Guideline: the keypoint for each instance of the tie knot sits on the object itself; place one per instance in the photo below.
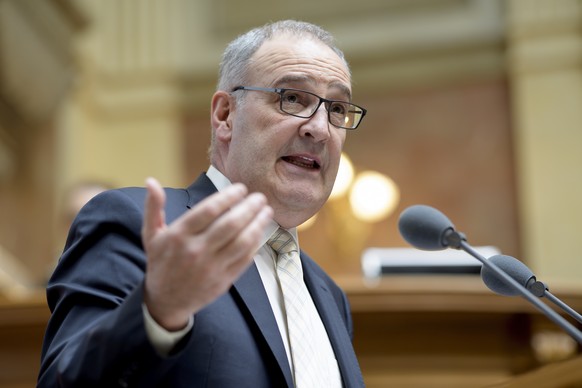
(282, 242)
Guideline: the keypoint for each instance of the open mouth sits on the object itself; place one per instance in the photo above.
(302, 162)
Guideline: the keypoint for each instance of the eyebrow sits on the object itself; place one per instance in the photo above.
(291, 79)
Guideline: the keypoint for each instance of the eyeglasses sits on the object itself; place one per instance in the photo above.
(300, 103)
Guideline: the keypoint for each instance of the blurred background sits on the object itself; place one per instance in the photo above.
(474, 107)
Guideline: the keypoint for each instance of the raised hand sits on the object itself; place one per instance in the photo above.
(194, 260)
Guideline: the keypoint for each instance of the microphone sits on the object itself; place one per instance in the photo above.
(524, 276)
(426, 228)
(514, 268)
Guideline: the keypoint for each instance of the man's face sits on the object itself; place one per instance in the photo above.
(292, 160)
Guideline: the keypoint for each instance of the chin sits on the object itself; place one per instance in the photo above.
(293, 216)
(302, 214)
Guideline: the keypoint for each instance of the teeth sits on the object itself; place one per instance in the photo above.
(302, 162)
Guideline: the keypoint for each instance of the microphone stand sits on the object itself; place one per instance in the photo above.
(456, 240)
(540, 289)
(563, 306)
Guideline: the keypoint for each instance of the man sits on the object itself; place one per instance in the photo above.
(186, 290)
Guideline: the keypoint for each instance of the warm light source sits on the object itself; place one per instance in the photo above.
(373, 196)
(344, 178)
(357, 201)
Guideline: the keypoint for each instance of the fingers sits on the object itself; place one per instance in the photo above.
(246, 243)
(229, 219)
(154, 214)
(200, 217)
(240, 222)
(229, 224)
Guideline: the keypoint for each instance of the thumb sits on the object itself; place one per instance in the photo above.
(154, 214)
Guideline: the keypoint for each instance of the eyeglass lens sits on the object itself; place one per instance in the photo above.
(304, 104)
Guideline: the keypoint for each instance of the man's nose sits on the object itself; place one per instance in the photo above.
(317, 126)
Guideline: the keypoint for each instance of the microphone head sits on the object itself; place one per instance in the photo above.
(511, 266)
(424, 227)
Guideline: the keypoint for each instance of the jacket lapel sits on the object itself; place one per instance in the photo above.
(200, 189)
(335, 325)
(250, 289)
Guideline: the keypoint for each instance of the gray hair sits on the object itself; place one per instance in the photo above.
(236, 59)
(235, 64)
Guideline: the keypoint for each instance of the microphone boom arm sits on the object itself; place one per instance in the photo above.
(563, 306)
(551, 314)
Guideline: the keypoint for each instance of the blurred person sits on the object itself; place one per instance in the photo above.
(77, 196)
(73, 200)
(206, 286)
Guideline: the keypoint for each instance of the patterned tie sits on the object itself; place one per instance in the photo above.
(313, 360)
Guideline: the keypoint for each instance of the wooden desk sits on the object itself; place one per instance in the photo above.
(565, 374)
(410, 331)
(22, 324)
(443, 331)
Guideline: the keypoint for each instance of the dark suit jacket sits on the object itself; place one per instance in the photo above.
(96, 334)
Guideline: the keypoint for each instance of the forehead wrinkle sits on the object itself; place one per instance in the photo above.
(308, 57)
(303, 69)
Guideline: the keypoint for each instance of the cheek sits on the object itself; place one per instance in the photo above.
(341, 135)
(335, 148)
(248, 148)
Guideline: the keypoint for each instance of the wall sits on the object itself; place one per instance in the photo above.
(458, 115)
(545, 63)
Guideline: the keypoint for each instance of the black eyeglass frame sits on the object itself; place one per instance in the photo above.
(322, 100)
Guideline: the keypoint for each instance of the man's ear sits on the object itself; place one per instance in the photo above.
(221, 111)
